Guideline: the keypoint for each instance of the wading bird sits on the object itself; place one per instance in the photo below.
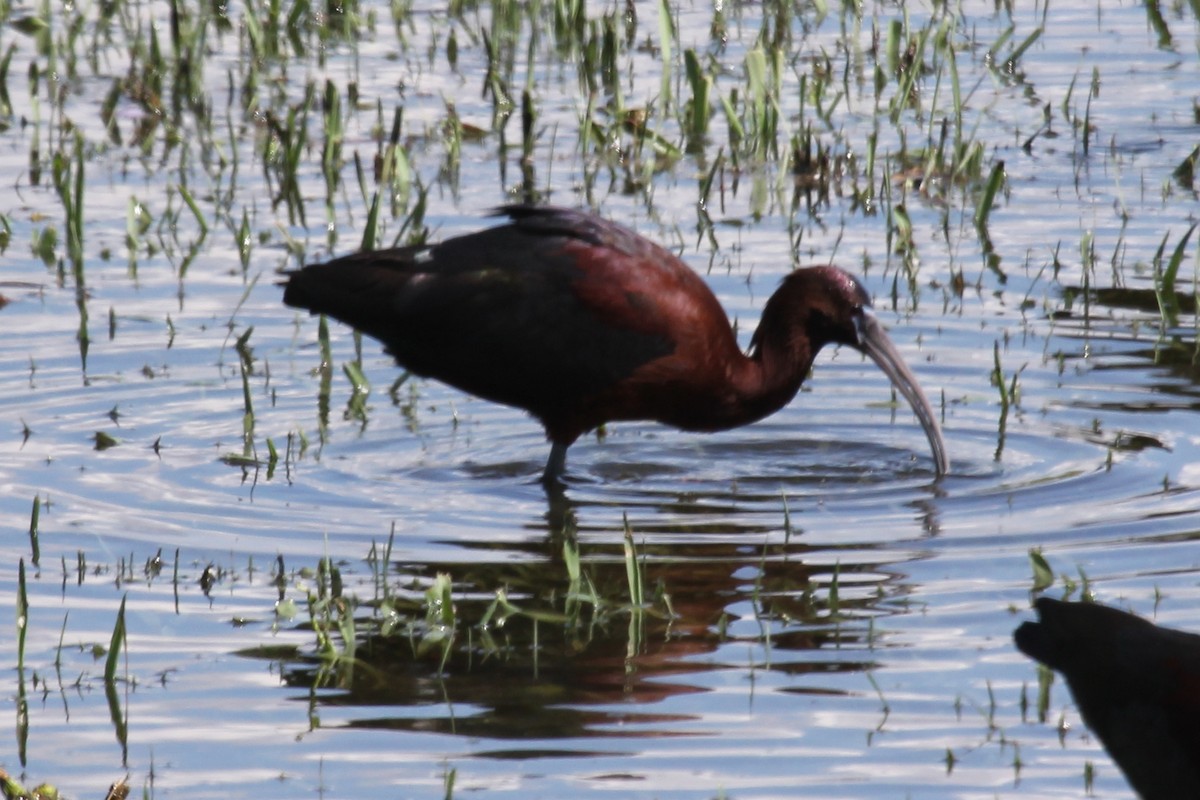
(580, 321)
(1137, 686)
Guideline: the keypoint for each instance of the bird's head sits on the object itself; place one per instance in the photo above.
(817, 306)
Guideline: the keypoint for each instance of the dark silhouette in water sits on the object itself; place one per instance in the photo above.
(1137, 686)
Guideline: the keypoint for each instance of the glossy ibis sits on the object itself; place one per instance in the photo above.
(1137, 686)
(580, 321)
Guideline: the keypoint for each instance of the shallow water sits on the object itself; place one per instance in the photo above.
(839, 621)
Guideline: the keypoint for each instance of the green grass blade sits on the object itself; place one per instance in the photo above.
(1043, 575)
(371, 229)
(1165, 278)
(633, 573)
(33, 529)
(666, 34)
(22, 615)
(990, 190)
(114, 646)
(195, 209)
(1172, 270)
(1019, 51)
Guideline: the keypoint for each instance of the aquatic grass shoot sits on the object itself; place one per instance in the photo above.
(987, 198)
(441, 619)
(1043, 575)
(331, 153)
(246, 366)
(1185, 172)
(22, 615)
(6, 107)
(116, 647)
(699, 108)
(633, 569)
(634, 575)
(103, 441)
(1087, 269)
(983, 210)
(282, 158)
(763, 75)
(244, 240)
(1086, 127)
(1009, 396)
(325, 373)
(666, 36)
(1165, 278)
(834, 597)
(1005, 65)
(68, 176)
(33, 530)
(395, 170)
(197, 214)
(905, 61)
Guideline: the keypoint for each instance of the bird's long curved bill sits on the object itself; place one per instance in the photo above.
(874, 341)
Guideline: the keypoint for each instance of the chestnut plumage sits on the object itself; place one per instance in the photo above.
(580, 321)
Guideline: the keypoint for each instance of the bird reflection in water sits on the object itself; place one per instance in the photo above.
(608, 673)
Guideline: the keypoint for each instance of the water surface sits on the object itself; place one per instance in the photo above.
(839, 621)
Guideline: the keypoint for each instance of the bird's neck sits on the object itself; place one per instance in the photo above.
(769, 377)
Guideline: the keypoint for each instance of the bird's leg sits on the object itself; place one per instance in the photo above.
(555, 465)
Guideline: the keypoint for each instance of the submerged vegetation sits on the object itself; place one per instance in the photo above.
(168, 159)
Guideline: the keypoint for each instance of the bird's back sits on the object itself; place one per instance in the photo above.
(543, 312)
